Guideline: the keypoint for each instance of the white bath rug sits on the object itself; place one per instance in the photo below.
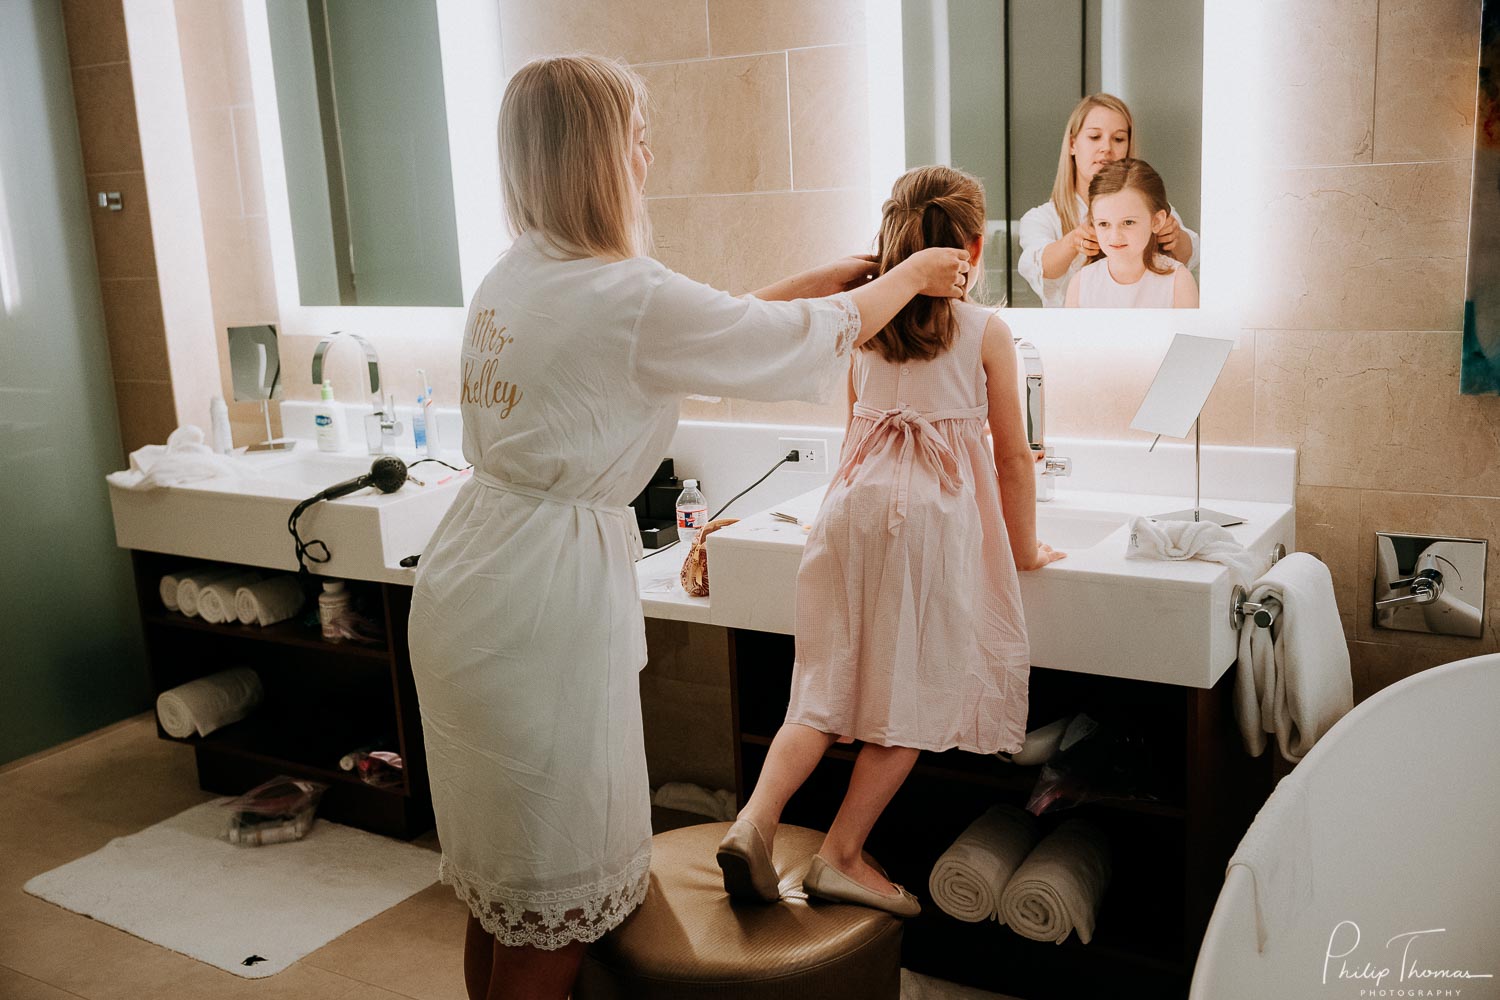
(251, 911)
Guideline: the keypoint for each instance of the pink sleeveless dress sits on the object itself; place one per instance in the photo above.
(909, 623)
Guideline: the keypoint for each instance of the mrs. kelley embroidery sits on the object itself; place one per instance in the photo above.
(482, 381)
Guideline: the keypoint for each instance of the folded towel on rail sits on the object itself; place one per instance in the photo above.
(971, 874)
(209, 703)
(1057, 889)
(190, 585)
(217, 600)
(1277, 852)
(1178, 540)
(183, 459)
(1293, 679)
(266, 602)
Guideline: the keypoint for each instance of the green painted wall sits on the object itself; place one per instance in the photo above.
(71, 653)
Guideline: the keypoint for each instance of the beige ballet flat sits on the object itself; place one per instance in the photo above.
(827, 882)
(746, 864)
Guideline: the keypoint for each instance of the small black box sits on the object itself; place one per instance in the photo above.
(655, 534)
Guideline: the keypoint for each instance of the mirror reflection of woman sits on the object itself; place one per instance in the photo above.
(1056, 237)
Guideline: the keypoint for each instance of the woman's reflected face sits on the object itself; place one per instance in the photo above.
(1104, 137)
(640, 153)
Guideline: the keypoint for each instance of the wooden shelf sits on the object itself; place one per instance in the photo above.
(288, 633)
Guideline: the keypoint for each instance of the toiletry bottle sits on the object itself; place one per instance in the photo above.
(692, 511)
(419, 425)
(326, 417)
(218, 414)
(429, 416)
(332, 602)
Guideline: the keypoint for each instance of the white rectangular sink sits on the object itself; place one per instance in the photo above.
(1095, 612)
(243, 518)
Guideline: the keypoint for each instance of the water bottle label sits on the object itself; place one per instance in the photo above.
(691, 518)
(323, 420)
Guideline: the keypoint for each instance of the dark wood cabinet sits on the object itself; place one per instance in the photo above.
(1169, 851)
(322, 700)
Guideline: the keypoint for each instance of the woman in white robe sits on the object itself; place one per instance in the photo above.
(526, 629)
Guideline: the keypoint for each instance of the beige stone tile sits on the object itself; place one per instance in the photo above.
(105, 98)
(1425, 514)
(750, 411)
(133, 322)
(415, 948)
(688, 731)
(123, 246)
(1426, 77)
(1365, 248)
(830, 137)
(1377, 665)
(205, 71)
(646, 32)
(718, 126)
(215, 163)
(746, 242)
(237, 54)
(96, 31)
(238, 273)
(770, 25)
(1229, 414)
(1328, 525)
(247, 153)
(1096, 381)
(1376, 410)
(704, 409)
(15, 986)
(147, 413)
(1320, 66)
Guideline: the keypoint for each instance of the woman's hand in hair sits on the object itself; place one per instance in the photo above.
(1084, 240)
(1170, 241)
(848, 273)
(843, 275)
(942, 272)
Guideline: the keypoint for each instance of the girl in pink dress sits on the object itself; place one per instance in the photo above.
(910, 633)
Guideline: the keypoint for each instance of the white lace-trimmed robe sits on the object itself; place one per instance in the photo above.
(526, 630)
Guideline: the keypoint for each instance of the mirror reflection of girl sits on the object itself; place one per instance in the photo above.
(1056, 237)
(1128, 209)
(910, 633)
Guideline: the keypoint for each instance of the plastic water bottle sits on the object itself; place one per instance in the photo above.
(692, 511)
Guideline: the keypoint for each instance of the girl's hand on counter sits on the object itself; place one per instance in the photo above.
(1044, 555)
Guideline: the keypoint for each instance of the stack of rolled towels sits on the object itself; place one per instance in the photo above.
(1044, 888)
(209, 703)
(220, 594)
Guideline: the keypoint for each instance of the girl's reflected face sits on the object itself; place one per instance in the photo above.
(640, 153)
(1123, 223)
(1104, 137)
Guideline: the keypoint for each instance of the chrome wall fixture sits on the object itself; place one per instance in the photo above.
(1262, 614)
(1429, 583)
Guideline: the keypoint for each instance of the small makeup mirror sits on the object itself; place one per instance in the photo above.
(255, 370)
(1174, 403)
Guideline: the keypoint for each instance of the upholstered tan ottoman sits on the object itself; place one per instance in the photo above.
(689, 940)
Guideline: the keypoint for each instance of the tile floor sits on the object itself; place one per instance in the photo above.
(64, 804)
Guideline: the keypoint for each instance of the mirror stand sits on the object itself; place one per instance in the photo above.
(1197, 511)
(270, 443)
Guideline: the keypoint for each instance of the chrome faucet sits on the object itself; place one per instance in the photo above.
(381, 425)
(1034, 407)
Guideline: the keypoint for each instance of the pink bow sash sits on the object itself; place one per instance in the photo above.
(919, 439)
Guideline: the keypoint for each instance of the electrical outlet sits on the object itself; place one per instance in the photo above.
(812, 453)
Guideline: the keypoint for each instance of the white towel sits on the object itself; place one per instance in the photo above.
(266, 602)
(1057, 889)
(216, 600)
(1277, 852)
(183, 459)
(1041, 743)
(1178, 540)
(1293, 679)
(971, 874)
(171, 581)
(191, 584)
(685, 796)
(209, 703)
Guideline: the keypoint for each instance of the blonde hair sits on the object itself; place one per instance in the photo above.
(566, 141)
(1138, 176)
(1065, 184)
(929, 207)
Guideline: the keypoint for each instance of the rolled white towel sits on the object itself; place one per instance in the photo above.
(216, 601)
(189, 586)
(266, 602)
(209, 703)
(684, 796)
(1041, 743)
(971, 874)
(171, 581)
(1057, 889)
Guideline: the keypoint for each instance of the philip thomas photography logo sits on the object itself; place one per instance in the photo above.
(1412, 964)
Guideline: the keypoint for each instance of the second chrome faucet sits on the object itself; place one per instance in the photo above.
(1033, 403)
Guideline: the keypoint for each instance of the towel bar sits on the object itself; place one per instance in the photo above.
(1263, 613)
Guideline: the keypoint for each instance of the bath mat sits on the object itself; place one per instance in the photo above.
(251, 911)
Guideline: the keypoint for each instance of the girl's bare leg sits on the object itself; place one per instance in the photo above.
(794, 753)
(533, 974)
(479, 959)
(878, 772)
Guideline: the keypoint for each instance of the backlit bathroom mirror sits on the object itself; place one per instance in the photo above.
(364, 138)
(989, 86)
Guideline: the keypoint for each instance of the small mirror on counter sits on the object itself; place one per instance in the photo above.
(255, 370)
